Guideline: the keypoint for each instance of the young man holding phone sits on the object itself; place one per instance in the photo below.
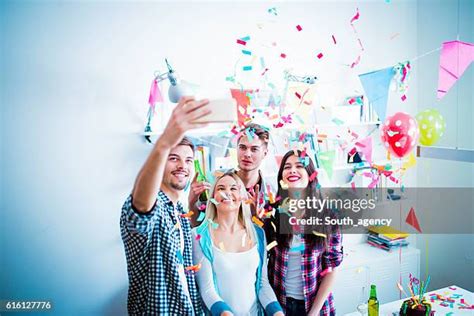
(155, 231)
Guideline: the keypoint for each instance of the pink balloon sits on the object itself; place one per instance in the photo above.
(399, 134)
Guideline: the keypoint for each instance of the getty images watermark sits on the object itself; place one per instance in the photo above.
(316, 206)
(437, 210)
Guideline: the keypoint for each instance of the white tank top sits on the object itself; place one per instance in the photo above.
(236, 273)
(294, 275)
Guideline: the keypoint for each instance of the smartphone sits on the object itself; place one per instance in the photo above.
(222, 111)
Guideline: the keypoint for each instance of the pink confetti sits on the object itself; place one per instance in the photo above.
(313, 176)
(299, 28)
(155, 94)
(320, 55)
(334, 40)
(298, 95)
(356, 17)
(404, 97)
(356, 62)
(241, 42)
(353, 185)
(283, 55)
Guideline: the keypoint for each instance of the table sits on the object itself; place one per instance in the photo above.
(389, 308)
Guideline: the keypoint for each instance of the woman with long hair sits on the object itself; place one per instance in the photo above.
(302, 265)
(232, 253)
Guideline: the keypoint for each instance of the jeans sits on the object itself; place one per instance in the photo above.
(294, 307)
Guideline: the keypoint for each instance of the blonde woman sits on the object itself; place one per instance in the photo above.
(232, 251)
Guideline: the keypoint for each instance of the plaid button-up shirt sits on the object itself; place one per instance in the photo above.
(313, 262)
(152, 241)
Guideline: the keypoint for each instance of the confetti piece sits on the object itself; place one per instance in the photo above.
(180, 256)
(246, 38)
(201, 217)
(394, 35)
(177, 225)
(299, 28)
(337, 121)
(247, 68)
(273, 11)
(246, 52)
(298, 95)
(319, 234)
(283, 185)
(270, 198)
(356, 62)
(194, 268)
(404, 97)
(243, 239)
(283, 55)
(187, 215)
(274, 227)
(412, 220)
(213, 201)
(299, 248)
(320, 55)
(334, 40)
(221, 246)
(353, 186)
(271, 245)
(313, 176)
(241, 42)
(249, 201)
(299, 119)
(257, 221)
(198, 237)
(223, 195)
(356, 16)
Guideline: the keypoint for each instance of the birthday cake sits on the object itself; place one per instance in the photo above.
(413, 308)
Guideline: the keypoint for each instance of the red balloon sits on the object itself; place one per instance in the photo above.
(399, 134)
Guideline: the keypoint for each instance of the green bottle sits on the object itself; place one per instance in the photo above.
(201, 178)
(373, 301)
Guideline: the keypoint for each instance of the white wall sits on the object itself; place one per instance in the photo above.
(449, 259)
(75, 80)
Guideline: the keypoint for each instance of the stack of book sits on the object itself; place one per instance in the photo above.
(386, 237)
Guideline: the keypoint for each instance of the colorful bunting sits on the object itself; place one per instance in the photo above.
(376, 84)
(327, 161)
(412, 220)
(455, 57)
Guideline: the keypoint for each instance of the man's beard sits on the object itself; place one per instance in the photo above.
(178, 186)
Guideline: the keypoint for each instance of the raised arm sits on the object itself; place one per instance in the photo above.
(149, 178)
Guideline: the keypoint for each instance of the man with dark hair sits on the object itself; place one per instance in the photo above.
(252, 148)
(155, 230)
